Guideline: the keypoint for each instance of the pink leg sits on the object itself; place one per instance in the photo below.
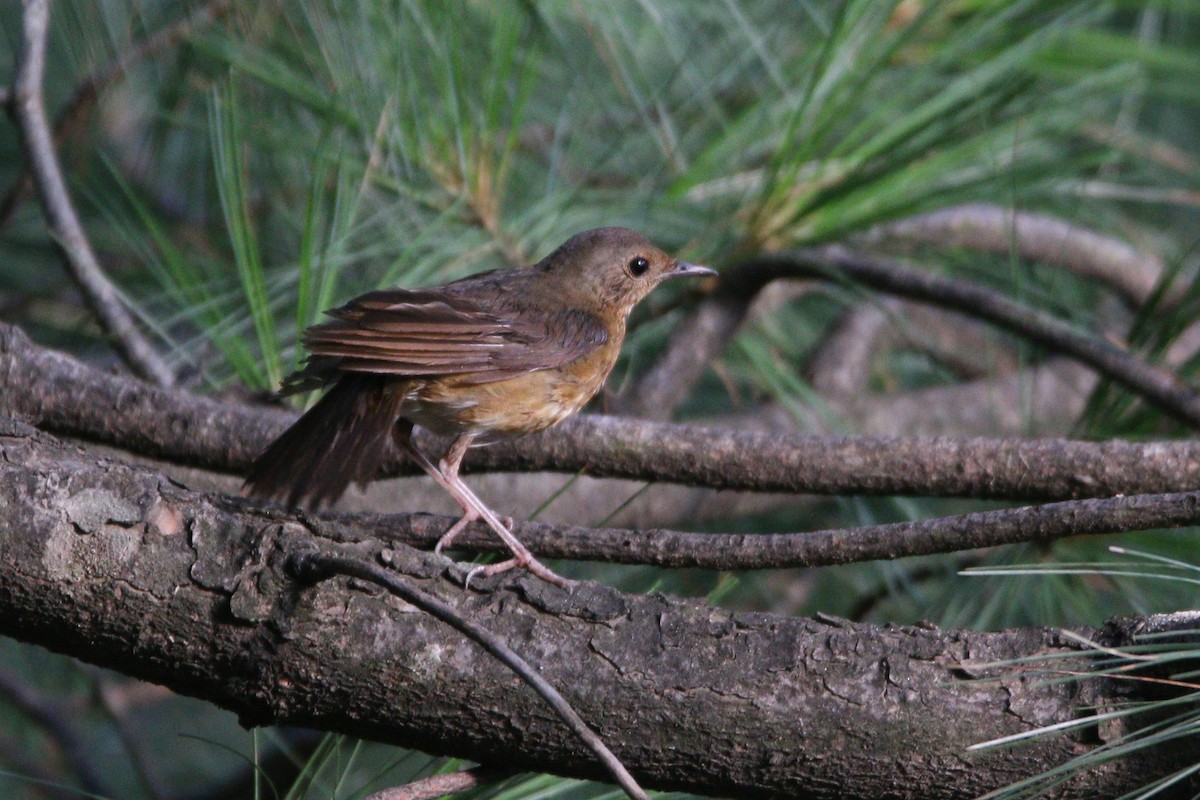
(473, 508)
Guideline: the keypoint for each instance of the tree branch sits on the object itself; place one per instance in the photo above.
(62, 395)
(701, 337)
(314, 567)
(441, 785)
(1156, 385)
(98, 291)
(995, 229)
(119, 566)
(737, 551)
(979, 226)
(1040, 400)
(88, 89)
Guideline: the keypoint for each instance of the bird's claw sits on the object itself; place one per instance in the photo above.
(530, 563)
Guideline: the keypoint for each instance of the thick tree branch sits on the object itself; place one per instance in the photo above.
(120, 566)
(98, 291)
(59, 394)
(313, 567)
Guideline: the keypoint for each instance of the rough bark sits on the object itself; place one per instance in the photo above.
(122, 567)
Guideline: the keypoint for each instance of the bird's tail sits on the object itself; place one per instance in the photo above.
(343, 438)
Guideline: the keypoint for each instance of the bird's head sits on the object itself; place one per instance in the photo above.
(613, 268)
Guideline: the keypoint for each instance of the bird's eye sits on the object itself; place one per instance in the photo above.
(638, 267)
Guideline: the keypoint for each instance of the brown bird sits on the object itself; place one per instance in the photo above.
(495, 355)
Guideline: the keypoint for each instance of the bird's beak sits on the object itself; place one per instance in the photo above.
(685, 270)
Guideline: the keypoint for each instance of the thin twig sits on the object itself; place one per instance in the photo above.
(440, 785)
(312, 567)
(99, 292)
(88, 89)
(1156, 385)
(733, 551)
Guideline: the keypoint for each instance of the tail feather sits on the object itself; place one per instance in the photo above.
(342, 439)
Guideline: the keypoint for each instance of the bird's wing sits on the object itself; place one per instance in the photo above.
(428, 332)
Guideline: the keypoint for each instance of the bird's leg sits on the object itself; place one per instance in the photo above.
(448, 466)
(473, 508)
(402, 437)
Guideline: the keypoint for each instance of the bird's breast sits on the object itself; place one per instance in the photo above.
(516, 406)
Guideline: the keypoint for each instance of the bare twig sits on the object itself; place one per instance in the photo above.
(1156, 385)
(440, 785)
(995, 229)
(99, 292)
(60, 394)
(733, 551)
(312, 567)
(88, 89)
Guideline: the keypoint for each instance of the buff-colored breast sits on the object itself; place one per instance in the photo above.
(517, 406)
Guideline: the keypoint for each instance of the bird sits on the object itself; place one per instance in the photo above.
(492, 356)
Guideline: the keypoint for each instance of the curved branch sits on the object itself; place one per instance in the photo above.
(978, 226)
(60, 394)
(88, 89)
(99, 292)
(1156, 385)
(996, 229)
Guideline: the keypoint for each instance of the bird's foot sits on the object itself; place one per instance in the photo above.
(454, 530)
(527, 561)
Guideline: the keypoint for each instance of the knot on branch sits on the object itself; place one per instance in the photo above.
(308, 566)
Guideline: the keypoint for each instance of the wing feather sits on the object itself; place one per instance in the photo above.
(447, 330)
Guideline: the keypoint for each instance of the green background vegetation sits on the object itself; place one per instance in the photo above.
(295, 154)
